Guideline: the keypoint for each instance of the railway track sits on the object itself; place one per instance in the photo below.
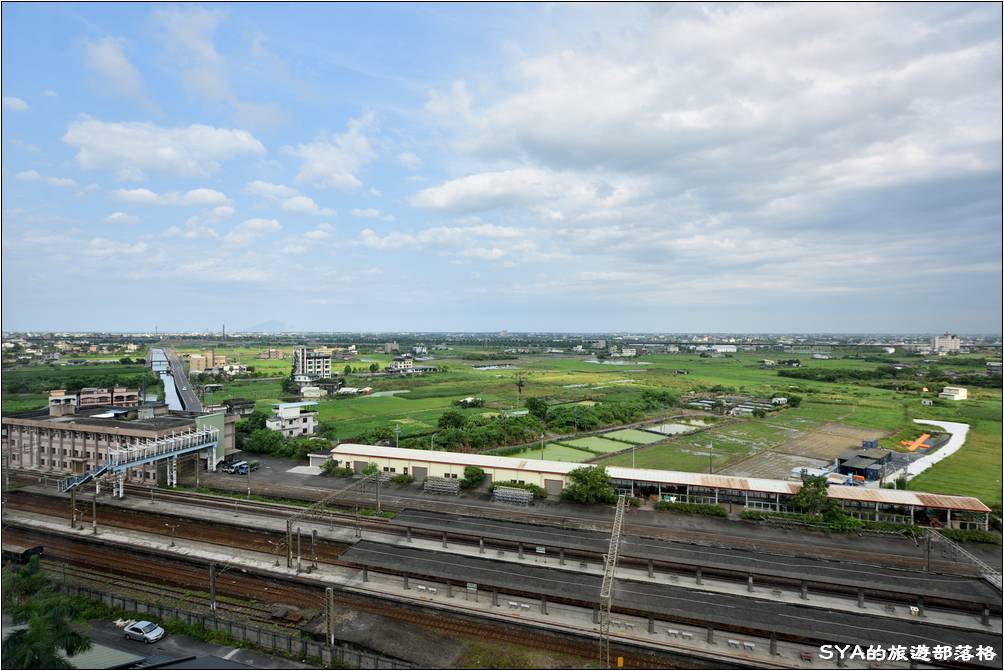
(177, 574)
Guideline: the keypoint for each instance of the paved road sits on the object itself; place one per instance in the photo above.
(181, 383)
(178, 645)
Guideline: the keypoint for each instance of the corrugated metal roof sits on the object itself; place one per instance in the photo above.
(866, 494)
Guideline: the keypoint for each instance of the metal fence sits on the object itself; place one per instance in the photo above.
(269, 640)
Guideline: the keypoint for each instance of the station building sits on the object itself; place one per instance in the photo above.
(66, 440)
(735, 494)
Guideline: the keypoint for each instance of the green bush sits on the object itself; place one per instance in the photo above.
(695, 508)
(633, 501)
(473, 476)
(402, 479)
(971, 536)
(330, 468)
(538, 492)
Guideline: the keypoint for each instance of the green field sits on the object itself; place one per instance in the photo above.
(974, 470)
(554, 452)
(597, 444)
(635, 436)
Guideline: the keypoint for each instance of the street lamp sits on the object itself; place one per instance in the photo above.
(432, 441)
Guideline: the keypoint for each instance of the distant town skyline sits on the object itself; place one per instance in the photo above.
(795, 168)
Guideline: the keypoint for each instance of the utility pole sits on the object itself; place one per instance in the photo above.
(249, 481)
(397, 435)
(73, 508)
(289, 543)
(329, 611)
(94, 514)
(432, 441)
(711, 456)
(541, 446)
(172, 527)
(212, 586)
(377, 476)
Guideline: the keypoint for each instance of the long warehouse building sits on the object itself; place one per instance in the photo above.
(887, 505)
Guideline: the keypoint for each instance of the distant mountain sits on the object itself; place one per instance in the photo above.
(270, 325)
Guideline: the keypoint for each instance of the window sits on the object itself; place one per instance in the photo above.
(405, 470)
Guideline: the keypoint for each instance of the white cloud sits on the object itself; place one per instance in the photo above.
(293, 248)
(367, 213)
(106, 57)
(333, 161)
(121, 218)
(132, 149)
(13, 104)
(251, 229)
(103, 248)
(224, 211)
(49, 93)
(269, 190)
(305, 205)
(195, 228)
(409, 160)
(322, 232)
(34, 176)
(192, 198)
(226, 269)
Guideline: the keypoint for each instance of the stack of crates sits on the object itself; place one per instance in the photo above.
(515, 495)
(442, 486)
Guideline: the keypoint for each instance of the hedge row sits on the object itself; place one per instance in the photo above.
(695, 508)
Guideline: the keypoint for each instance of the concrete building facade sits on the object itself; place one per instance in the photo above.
(293, 419)
(311, 364)
(946, 343)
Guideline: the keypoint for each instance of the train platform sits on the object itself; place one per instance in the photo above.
(663, 635)
(344, 532)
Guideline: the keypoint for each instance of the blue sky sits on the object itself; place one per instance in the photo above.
(523, 167)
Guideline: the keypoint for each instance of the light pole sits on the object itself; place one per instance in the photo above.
(397, 434)
(711, 456)
(542, 446)
(432, 441)
(172, 527)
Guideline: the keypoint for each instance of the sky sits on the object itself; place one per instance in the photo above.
(425, 167)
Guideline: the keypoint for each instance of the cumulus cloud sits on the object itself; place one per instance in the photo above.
(334, 160)
(34, 176)
(13, 104)
(250, 230)
(192, 198)
(305, 205)
(224, 211)
(133, 149)
(371, 213)
(121, 218)
(322, 232)
(269, 190)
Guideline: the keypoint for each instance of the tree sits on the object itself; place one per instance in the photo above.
(33, 600)
(264, 441)
(473, 476)
(794, 401)
(374, 367)
(520, 383)
(811, 497)
(328, 431)
(538, 408)
(371, 469)
(589, 484)
(452, 419)
(347, 370)
(125, 360)
(290, 386)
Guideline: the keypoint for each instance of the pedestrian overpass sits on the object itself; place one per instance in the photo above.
(168, 448)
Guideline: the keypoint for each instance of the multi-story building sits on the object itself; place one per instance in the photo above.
(293, 419)
(64, 440)
(947, 343)
(311, 364)
(119, 397)
(401, 364)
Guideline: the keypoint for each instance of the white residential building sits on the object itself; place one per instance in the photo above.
(946, 343)
(402, 363)
(724, 349)
(313, 364)
(954, 393)
(293, 419)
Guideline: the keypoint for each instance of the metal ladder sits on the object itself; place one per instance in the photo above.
(986, 571)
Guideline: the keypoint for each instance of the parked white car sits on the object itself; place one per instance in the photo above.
(145, 631)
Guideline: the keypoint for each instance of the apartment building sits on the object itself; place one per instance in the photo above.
(311, 364)
(946, 343)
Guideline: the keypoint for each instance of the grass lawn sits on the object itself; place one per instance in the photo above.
(635, 436)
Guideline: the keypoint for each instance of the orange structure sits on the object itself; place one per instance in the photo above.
(913, 445)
